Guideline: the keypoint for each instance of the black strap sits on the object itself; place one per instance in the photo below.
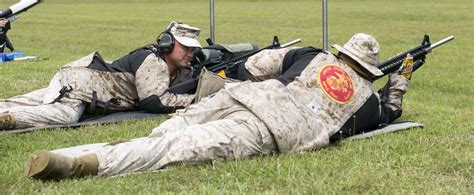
(366, 118)
(153, 104)
(242, 73)
(295, 61)
(9, 45)
(93, 102)
(114, 101)
(152, 47)
(62, 93)
(288, 60)
(294, 55)
(93, 105)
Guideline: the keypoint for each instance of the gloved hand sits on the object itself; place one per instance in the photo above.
(407, 67)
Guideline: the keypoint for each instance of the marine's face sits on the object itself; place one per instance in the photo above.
(181, 55)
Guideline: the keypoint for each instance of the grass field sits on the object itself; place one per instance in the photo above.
(438, 159)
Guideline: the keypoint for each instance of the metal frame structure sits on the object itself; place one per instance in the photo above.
(211, 15)
(325, 24)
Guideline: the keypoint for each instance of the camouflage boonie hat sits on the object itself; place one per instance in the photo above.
(185, 34)
(364, 49)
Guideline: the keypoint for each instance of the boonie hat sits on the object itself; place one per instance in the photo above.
(364, 49)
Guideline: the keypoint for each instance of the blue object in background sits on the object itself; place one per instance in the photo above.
(5, 57)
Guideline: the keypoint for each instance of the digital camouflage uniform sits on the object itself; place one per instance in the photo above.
(250, 118)
(138, 80)
(84, 77)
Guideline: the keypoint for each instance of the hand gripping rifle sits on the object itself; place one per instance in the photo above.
(229, 67)
(419, 55)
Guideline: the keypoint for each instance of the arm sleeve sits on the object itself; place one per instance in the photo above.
(152, 81)
(391, 96)
(266, 64)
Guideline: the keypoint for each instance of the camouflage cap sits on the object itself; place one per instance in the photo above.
(364, 49)
(185, 34)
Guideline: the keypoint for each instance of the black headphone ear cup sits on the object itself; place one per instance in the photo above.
(165, 43)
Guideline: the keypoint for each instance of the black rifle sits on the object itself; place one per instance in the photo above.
(229, 67)
(418, 53)
(215, 54)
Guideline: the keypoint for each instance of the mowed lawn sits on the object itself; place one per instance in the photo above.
(438, 159)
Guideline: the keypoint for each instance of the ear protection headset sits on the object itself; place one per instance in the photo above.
(166, 40)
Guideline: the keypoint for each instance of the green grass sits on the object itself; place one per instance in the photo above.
(438, 159)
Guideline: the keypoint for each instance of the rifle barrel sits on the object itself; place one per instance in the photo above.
(18, 8)
(441, 42)
(290, 43)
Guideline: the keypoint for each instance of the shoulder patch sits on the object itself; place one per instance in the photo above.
(336, 83)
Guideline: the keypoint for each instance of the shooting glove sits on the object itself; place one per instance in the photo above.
(407, 67)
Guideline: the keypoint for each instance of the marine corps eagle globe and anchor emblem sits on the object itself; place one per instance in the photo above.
(336, 83)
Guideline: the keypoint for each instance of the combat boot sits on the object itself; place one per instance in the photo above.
(46, 165)
(7, 121)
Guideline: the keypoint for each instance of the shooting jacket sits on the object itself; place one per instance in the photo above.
(302, 114)
(267, 64)
(140, 79)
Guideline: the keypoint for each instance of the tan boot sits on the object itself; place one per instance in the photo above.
(7, 121)
(46, 165)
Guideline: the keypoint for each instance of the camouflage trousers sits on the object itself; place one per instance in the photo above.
(34, 109)
(215, 128)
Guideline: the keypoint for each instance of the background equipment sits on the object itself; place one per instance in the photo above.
(224, 60)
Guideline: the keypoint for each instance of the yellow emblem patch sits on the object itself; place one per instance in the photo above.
(336, 83)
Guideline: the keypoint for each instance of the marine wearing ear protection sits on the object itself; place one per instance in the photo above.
(166, 40)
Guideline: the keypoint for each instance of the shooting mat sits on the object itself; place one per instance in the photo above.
(103, 119)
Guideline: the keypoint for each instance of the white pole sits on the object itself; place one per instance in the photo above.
(211, 15)
(325, 24)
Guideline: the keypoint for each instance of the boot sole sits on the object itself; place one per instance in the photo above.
(37, 164)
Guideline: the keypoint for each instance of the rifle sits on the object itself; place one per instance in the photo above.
(18, 8)
(229, 67)
(215, 54)
(419, 55)
(11, 14)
